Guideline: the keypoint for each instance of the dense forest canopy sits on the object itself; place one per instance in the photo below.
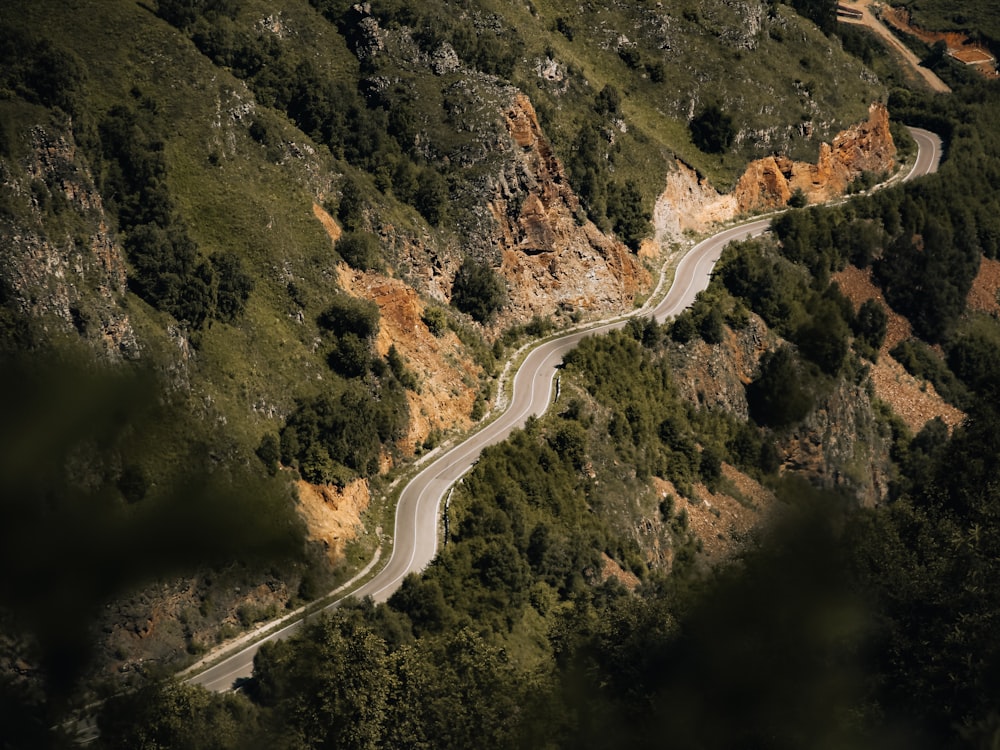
(544, 620)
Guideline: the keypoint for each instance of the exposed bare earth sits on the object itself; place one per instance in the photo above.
(689, 203)
(449, 380)
(333, 515)
(447, 390)
(551, 260)
(868, 19)
(963, 49)
(449, 383)
(985, 287)
(611, 569)
(332, 228)
(915, 401)
(723, 521)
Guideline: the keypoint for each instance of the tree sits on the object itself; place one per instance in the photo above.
(823, 13)
(712, 130)
(269, 452)
(348, 314)
(360, 250)
(406, 377)
(351, 210)
(435, 319)
(712, 326)
(570, 442)
(38, 71)
(478, 290)
(824, 338)
(177, 715)
(331, 687)
(422, 600)
(927, 277)
(608, 101)
(780, 395)
(798, 199)
(625, 209)
(682, 329)
(233, 286)
(431, 199)
(169, 274)
(975, 358)
(870, 327)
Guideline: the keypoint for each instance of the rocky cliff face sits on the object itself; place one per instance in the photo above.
(714, 376)
(61, 263)
(839, 445)
(513, 207)
(553, 260)
(866, 147)
(524, 219)
(689, 203)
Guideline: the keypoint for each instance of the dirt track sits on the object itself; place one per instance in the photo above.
(868, 19)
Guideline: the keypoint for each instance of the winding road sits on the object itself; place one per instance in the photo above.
(415, 536)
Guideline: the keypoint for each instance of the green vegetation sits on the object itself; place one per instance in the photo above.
(91, 508)
(922, 361)
(781, 394)
(478, 290)
(199, 144)
(976, 17)
(712, 130)
(858, 627)
(360, 250)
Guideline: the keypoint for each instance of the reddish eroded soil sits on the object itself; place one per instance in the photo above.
(449, 380)
(333, 515)
(959, 45)
(985, 287)
(332, 228)
(915, 401)
(723, 521)
(611, 569)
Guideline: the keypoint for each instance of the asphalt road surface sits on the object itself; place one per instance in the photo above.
(415, 537)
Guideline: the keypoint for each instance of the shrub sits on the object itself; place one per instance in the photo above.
(360, 250)
(798, 199)
(869, 327)
(780, 395)
(712, 130)
(478, 290)
(435, 319)
(349, 314)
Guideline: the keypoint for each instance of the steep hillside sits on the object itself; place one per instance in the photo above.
(581, 596)
(318, 227)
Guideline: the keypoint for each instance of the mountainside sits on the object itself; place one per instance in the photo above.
(319, 231)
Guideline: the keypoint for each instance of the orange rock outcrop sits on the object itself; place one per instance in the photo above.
(551, 258)
(448, 379)
(689, 203)
(332, 514)
(867, 147)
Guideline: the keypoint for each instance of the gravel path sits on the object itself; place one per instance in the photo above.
(868, 19)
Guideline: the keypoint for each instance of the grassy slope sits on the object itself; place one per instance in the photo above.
(261, 210)
(762, 88)
(235, 197)
(246, 204)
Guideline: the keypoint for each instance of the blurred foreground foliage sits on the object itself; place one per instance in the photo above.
(97, 498)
